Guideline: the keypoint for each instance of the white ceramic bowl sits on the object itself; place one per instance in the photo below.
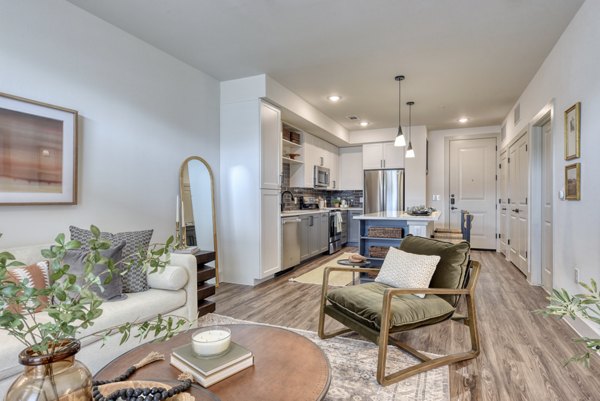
(211, 341)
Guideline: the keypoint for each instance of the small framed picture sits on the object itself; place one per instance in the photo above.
(38, 153)
(573, 181)
(572, 131)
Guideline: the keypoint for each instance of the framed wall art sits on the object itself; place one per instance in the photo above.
(38, 153)
(572, 131)
(573, 181)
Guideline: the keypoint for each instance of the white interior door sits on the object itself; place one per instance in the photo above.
(473, 188)
(518, 242)
(502, 204)
(547, 260)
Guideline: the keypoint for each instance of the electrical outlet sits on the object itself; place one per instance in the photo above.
(576, 275)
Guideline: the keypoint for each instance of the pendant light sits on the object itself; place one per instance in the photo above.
(400, 141)
(410, 153)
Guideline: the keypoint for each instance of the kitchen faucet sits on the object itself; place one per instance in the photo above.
(282, 202)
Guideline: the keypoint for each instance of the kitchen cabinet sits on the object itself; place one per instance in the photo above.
(314, 235)
(382, 155)
(324, 232)
(250, 174)
(318, 152)
(353, 227)
(304, 248)
(270, 149)
(351, 168)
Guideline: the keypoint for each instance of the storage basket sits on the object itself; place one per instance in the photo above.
(386, 232)
(378, 251)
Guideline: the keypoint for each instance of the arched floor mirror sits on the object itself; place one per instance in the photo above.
(197, 191)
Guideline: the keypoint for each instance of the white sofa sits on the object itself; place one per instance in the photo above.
(172, 291)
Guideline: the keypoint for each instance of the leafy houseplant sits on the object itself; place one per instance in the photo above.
(75, 306)
(586, 306)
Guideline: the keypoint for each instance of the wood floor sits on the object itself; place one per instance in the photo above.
(522, 355)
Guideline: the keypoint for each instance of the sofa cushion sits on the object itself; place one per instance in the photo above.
(75, 258)
(364, 303)
(135, 279)
(452, 267)
(137, 307)
(407, 270)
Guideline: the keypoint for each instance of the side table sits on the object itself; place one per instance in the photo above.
(205, 273)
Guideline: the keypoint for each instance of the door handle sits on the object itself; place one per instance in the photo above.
(453, 208)
(516, 210)
(503, 208)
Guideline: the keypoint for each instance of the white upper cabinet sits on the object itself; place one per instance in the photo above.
(393, 156)
(351, 168)
(332, 163)
(318, 152)
(382, 155)
(270, 147)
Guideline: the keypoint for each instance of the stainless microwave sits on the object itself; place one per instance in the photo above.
(321, 178)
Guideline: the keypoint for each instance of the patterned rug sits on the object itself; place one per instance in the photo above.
(354, 363)
(336, 279)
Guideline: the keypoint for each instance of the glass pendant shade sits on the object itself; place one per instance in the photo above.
(410, 153)
(400, 141)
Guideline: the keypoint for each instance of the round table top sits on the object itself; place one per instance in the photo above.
(287, 366)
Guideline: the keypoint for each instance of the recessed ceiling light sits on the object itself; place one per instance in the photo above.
(364, 123)
(334, 98)
(463, 120)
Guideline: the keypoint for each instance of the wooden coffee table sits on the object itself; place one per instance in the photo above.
(287, 366)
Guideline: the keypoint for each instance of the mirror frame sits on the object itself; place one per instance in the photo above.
(212, 197)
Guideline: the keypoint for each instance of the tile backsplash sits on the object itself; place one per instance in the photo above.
(353, 198)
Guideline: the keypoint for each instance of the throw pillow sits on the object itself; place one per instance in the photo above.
(135, 279)
(113, 290)
(407, 270)
(37, 277)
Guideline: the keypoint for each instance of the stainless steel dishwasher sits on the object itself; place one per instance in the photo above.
(290, 231)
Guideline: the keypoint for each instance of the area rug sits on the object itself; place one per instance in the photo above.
(336, 279)
(353, 366)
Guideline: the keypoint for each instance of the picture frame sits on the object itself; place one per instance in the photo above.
(573, 131)
(573, 181)
(38, 156)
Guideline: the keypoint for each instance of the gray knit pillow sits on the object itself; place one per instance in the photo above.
(135, 279)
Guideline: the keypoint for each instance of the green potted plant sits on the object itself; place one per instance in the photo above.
(51, 344)
(585, 306)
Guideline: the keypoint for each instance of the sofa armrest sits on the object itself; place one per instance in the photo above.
(186, 262)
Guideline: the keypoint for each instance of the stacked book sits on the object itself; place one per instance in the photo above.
(208, 371)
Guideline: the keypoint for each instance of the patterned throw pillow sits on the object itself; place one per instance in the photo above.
(135, 279)
(407, 270)
(37, 277)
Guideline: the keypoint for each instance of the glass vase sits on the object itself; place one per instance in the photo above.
(54, 377)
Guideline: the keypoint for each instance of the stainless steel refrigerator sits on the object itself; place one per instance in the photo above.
(384, 190)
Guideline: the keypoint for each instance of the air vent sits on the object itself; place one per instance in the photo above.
(352, 117)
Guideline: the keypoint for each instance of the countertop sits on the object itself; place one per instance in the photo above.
(398, 216)
(291, 213)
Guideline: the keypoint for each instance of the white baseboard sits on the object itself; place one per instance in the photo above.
(582, 328)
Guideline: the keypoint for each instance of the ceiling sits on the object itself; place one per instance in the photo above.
(468, 58)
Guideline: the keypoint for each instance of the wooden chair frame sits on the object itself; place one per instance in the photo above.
(383, 337)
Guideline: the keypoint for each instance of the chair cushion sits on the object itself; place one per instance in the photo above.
(364, 303)
(451, 269)
(407, 270)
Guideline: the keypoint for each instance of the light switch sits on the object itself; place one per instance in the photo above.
(561, 194)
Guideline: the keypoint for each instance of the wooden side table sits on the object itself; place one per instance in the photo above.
(205, 273)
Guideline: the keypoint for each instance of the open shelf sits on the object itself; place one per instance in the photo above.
(290, 144)
(291, 161)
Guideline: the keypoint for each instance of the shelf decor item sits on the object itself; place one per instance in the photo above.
(572, 131)
(39, 153)
(386, 232)
(420, 210)
(72, 303)
(573, 181)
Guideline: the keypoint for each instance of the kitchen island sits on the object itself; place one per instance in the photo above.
(373, 226)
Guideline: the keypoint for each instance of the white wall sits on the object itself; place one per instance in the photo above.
(570, 74)
(141, 113)
(438, 164)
